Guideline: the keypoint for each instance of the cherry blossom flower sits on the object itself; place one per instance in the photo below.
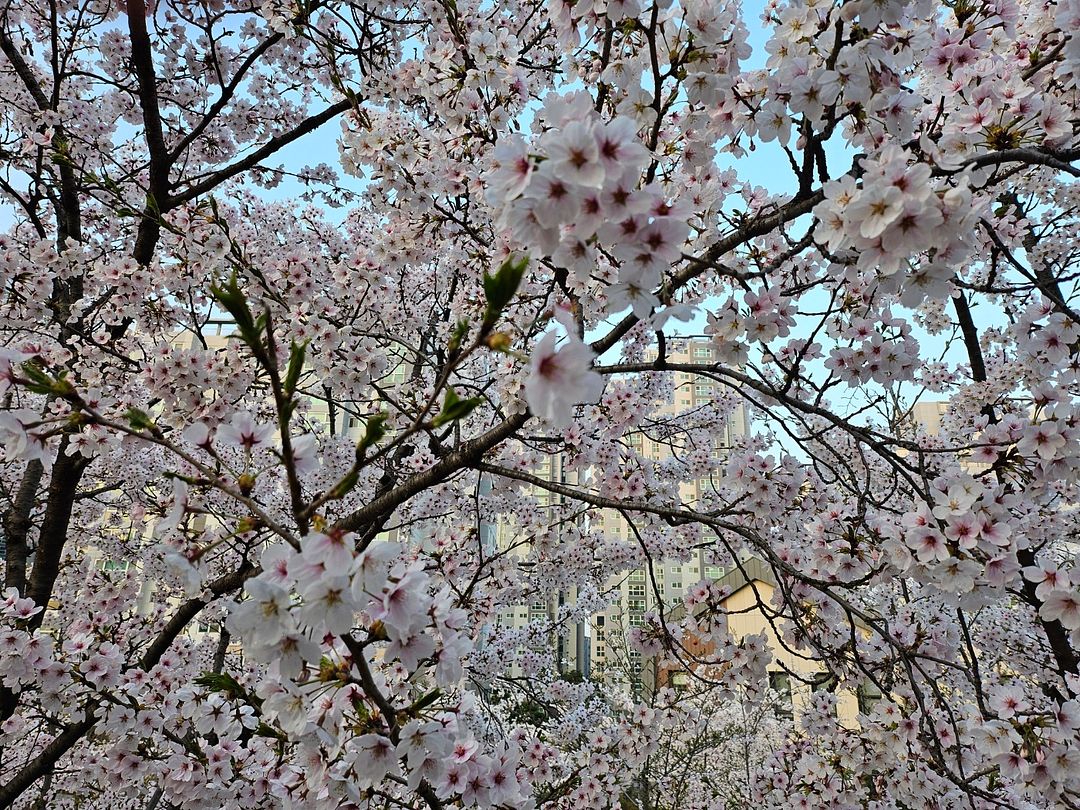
(373, 757)
(879, 430)
(560, 378)
(574, 154)
(1062, 606)
(242, 431)
(512, 168)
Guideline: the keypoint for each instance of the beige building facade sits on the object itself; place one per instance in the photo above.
(662, 586)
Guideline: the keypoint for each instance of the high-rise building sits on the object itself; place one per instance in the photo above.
(598, 649)
(794, 674)
(639, 592)
(564, 639)
(928, 415)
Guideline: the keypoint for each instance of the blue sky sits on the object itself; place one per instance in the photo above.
(767, 166)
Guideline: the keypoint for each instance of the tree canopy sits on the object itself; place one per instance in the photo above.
(300, 298)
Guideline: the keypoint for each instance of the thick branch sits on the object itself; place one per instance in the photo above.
(1062, 161)
(263, 152)
(190, 609)
(23, 70)
(63, 486)
(17, 526)
(464, 456)
(142, 59)
(1057, 637)
(41, 764)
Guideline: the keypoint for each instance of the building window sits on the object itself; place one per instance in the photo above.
(780, 683)
(868, 695)
(823, 682)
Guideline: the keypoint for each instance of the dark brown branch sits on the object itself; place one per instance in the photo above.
(1057, 637)
(263, 152)
(158, 194)
(22, 69)
(464, 456)
(142, 59)
(17, 526)
(1062, 161)
(63, 485)
(758, 226)
(43, 762)
(190, 609)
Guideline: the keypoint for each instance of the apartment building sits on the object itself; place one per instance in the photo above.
(793, 676)
(642, 591)
(564, 639)
(597, 648)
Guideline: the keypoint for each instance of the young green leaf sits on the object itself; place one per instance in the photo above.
(457, 337)
(499, 289)
(296, 367)
(454, 408)
(138, 419)
(373, 433)
(221, 682)
(232, 299)
(345, 485)
(41, 382)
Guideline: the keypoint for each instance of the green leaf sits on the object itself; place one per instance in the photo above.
(38, 381)
(266, 730)
(373, 433)
(139, 419)
(500, 288)
(361, 709)
(454, 408)
(41, 382)
(458, 336)
(296, 366)
(345, 485)
(221, 682)
(424, 701)
(232, 299)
